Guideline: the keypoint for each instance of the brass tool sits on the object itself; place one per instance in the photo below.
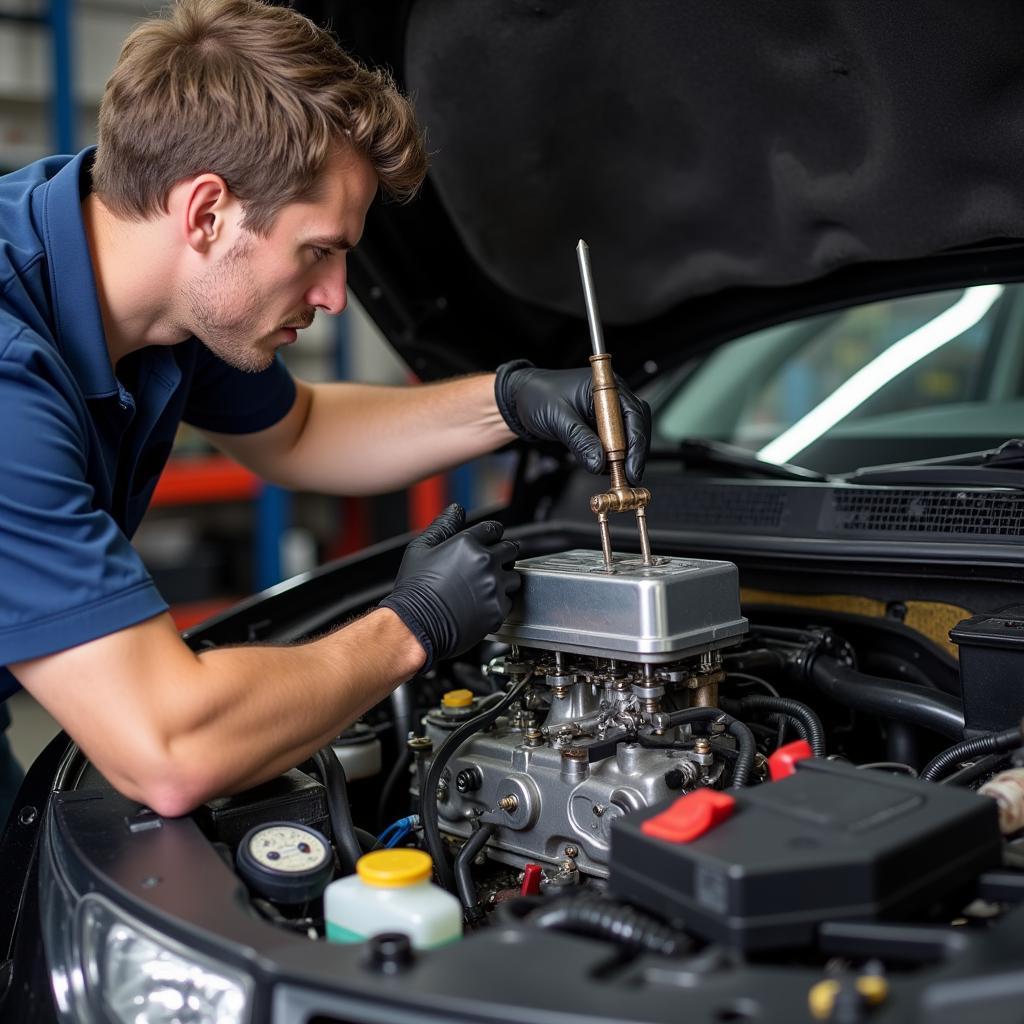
(608, 413)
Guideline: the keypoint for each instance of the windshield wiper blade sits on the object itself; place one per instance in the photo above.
(701, 453)
(992, 467)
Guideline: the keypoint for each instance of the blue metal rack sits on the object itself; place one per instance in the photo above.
(273, 506)
(62, 103)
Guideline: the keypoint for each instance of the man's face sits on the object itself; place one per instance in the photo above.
(262, 290)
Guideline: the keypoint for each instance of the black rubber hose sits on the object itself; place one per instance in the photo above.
(782, 724)
(993, 743)
(345, 839)
(399, 771)
(403, 711)
(980, 769)
(901, 743)
(888, 698)
(746, 748)
(596, 916)
(778, 724)
(367, 841)
(794, 709)
(464, 869)
(428, 795)
(756, 662)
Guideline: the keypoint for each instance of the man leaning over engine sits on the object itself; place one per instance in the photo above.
(150, 281)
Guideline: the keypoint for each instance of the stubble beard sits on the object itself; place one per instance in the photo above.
(224, 311)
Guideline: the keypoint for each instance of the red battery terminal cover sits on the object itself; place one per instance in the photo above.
(782, 763)
(690, 816)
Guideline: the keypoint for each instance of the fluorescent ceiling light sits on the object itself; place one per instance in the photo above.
(900, 356)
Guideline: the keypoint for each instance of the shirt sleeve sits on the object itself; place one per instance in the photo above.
(67, 572)
(230, 401)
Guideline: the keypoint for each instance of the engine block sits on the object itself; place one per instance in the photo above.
(609, 655)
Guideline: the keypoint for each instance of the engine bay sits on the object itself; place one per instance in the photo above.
(629, 759)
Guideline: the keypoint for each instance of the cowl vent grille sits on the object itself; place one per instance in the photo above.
(739, 508)
(962, 513)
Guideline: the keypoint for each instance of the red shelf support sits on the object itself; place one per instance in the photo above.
(190, 481)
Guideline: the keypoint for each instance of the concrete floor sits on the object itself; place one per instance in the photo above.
(31, 727)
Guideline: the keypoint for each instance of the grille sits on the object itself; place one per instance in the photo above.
(747, 508)
(964, 513)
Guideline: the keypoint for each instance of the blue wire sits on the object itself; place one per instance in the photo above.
(397, 838)
(403, 826)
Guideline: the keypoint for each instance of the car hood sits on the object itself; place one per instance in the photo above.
(729, 164)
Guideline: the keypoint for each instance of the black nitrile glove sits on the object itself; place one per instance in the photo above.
(454, 586)
(558, 405)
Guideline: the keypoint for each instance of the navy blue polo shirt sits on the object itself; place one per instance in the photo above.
(80, 448)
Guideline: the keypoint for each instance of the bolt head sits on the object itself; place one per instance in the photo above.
(509, 803)
(572, 851)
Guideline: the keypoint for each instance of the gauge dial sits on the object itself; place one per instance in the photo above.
(286, 862)
(287, 848)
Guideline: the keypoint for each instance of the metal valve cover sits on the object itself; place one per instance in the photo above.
(648, 613)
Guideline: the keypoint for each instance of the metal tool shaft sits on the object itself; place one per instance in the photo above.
(590, 297)
(610, 429)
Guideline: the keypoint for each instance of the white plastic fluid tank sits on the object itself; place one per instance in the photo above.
(391, 891)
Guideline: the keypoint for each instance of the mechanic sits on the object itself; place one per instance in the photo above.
(151, 281)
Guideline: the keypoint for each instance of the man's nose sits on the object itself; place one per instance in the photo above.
(329, 293)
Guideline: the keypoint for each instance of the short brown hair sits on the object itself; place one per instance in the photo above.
(255, 93)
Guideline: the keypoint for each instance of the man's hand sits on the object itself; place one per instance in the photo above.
(558, 405)
(454, 585)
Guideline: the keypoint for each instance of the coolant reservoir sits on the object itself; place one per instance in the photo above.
(391, 891)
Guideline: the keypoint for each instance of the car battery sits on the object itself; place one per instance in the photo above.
(761, 868)
(293, 796)
(991, 669)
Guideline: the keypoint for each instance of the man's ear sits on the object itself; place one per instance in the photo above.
(207, 201)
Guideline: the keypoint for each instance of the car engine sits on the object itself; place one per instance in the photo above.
(597, 738)
(629, 758)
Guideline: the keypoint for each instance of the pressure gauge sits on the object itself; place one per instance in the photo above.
(285, 862)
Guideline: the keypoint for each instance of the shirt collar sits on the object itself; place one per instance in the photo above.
(76, 310)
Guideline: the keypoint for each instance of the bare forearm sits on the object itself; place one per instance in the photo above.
(261, 710)
(188, 727)
(364, 439)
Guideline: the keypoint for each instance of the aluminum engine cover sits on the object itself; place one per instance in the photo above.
(645, 613)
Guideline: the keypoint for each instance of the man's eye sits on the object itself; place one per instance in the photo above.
(320, 254)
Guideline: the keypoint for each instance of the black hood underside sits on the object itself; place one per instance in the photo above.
(702, 149)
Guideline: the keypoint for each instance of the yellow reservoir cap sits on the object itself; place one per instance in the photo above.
(393, 869)
(457, 699)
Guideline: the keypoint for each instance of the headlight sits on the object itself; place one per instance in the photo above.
(137, 976)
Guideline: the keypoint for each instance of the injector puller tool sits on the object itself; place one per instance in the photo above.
(608, 413)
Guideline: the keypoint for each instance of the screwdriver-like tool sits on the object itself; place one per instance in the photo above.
(608, 413)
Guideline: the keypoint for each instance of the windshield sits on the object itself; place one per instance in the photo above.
(910, 378)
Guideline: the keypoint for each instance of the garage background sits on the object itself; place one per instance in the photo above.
(214, 533)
